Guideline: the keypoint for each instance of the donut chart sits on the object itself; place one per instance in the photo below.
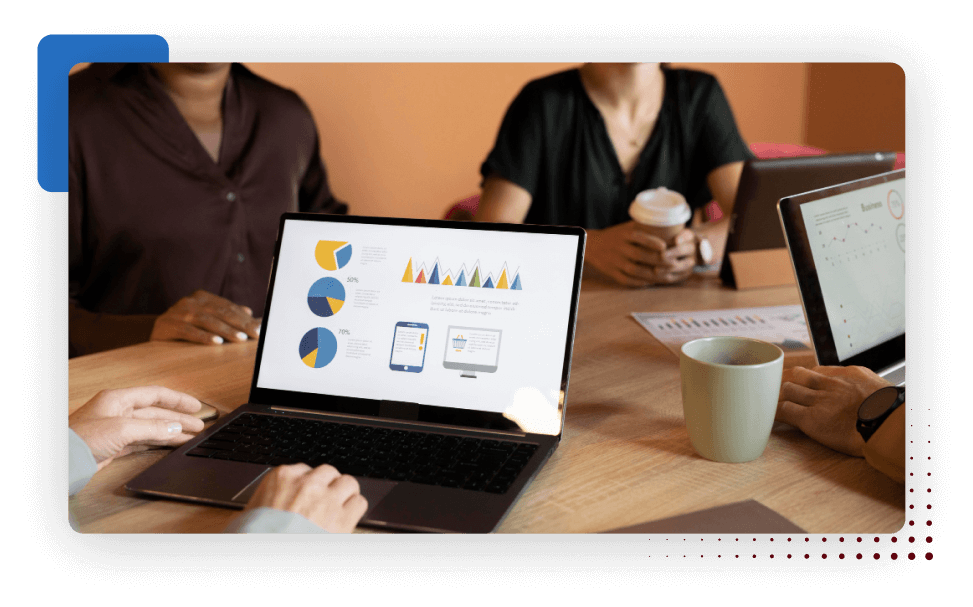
(326, 297)
(318, 348)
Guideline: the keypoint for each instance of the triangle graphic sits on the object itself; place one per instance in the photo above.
(475, 281)
(502, 283)
(489, 282)
(407, 277)
(434, 279)
(516, 285)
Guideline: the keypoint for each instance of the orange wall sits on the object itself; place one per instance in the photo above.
(407, 139)
(856, 106)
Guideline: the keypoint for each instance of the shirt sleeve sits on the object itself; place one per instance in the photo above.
(90, 332)
(315, 195)
(717, 140)
(517, 154)
(81, 463)
(81, 467)
(885, 450)
(270, 520)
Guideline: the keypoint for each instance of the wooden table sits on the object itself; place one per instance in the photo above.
(625, 457)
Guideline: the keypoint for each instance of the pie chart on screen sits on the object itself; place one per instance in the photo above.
(332, 254)
(326, 297)
(318, 347)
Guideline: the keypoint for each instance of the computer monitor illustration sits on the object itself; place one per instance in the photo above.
(471, 350)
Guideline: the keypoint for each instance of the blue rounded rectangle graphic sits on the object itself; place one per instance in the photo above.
(56, 55)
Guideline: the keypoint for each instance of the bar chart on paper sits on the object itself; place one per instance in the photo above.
(783, 326)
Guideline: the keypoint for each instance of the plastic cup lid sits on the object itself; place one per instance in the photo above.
(661, 207)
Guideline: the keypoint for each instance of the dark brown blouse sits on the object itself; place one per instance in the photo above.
(153, 218)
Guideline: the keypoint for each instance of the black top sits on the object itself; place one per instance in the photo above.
(554, 144)
(152, 218)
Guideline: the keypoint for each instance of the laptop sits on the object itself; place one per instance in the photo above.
(429, 359)
(847, 244)
(754, 225)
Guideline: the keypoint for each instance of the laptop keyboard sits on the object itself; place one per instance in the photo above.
(400, 455)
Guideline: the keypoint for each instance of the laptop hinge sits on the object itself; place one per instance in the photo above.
(400, 421)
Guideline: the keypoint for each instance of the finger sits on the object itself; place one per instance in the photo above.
(680, 251)
(676, 273)
(344, 487)
(686, 237)
(182, 328)
(323, 475)
(791, 413)
(643, 273)
(236, 316)
(189, 423)
(150, 431)
(807, 378)
(156, 396)
(351, 512)
(214, 325)
(798, 394)
(642, 255)
(649, 241)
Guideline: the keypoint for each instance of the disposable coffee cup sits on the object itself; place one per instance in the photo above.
(730, 387)
(662, 212)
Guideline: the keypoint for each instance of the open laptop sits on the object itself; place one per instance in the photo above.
(754, 225)
(847, 244)
(381, 354)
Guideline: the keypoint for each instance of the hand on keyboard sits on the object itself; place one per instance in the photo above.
(322, 495)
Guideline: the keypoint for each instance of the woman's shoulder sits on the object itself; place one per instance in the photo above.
(689, 79)
(553, 88)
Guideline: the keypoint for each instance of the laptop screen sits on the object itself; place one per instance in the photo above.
(474, 319)
(855, 237)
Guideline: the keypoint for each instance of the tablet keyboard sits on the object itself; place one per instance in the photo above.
(368, 451)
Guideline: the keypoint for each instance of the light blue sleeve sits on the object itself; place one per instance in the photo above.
(269, 520)
(81, 463)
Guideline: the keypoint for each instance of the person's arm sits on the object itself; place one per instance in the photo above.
(88, 331)
(723, 182)
(823, 403)
(885, 450)
(118, 422)
(81, 463)
(718, 156)
(502, 201)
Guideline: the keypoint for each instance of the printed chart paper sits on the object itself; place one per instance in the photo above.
(783, 326)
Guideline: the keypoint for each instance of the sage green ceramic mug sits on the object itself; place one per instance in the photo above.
(730, 387)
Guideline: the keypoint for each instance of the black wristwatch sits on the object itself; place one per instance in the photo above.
(877, 407)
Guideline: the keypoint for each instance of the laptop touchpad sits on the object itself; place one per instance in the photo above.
(374, 490)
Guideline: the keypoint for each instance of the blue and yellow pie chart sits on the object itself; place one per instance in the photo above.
(332, 254)
(318, 347)
(326, 297)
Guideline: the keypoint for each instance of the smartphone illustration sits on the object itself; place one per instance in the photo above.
(409, 347)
